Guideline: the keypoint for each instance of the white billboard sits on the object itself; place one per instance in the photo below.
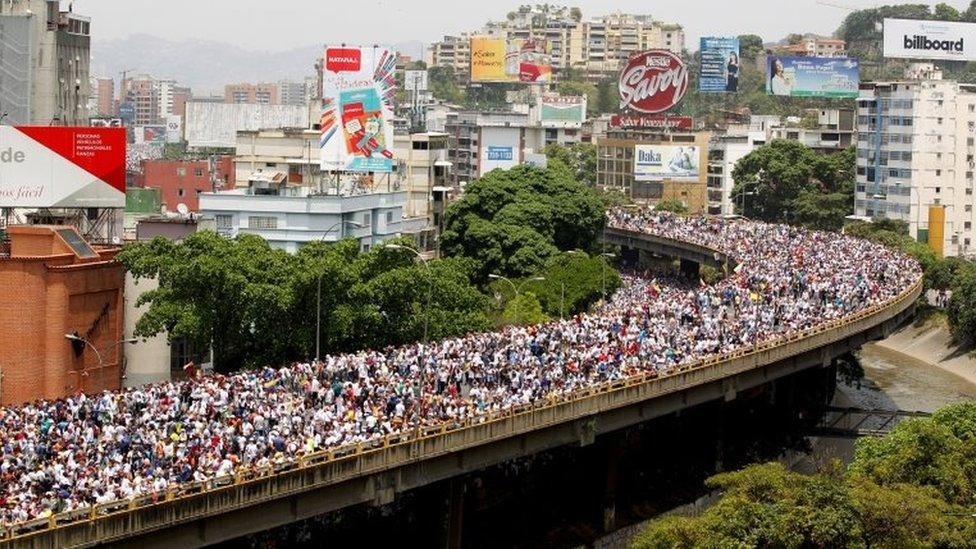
(174, 128)
(940, 40)
(500, 148)
(671, 162)
(62, 167)
(216, 125)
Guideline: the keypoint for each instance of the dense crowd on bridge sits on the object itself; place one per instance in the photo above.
(90, 449)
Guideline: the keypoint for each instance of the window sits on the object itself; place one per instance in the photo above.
(969, 207)
(180, 193)
(198, 172)
(368, 219)
(938, 173)
(939, 121)
(181, 172)
(224, 221)
(389, 218)
(968, 225)
(262, 222)
(938, 190)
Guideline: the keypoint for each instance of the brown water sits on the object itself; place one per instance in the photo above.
(894, 381)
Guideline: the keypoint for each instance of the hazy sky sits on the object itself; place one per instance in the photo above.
(282, 25)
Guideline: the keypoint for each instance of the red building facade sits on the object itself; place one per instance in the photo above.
(182, 181)
(53, 284)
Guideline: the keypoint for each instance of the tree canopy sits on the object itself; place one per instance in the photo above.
(786, 181)
(512, 222)
(258, 305)
(911, 488)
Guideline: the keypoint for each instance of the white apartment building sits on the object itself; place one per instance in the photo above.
(724, 153)
(915, 158)
(290, 217)
(46, 57)
(422, 166)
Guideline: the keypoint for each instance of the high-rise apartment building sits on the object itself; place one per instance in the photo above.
(105, 97)
(598, 47)
(46, 55)
(292, 93)
(261, 94)
(915, 158)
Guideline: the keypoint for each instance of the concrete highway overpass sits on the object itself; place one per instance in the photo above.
(374, 473)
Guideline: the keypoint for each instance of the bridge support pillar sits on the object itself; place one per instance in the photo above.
(690, 270)
(455, 512)
(586, 431)
(614, 453)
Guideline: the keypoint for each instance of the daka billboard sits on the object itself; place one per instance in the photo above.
(671, 162)
(518, 60)
(62, 167)
(358, 90)
(837, 77)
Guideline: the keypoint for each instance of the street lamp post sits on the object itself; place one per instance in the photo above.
(318, 309)
(98, 355)
(518, 289)
(605, 257)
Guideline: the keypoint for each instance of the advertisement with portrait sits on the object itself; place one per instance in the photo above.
(835, 77)
(667, 161)
(518, 60)
(719, 65)
(358, 90)
(62, 167)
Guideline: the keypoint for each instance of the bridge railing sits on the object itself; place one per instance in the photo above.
(118, 520)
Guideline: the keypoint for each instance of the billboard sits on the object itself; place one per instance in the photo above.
(357, 109)
(499, 148)
(151, 134)
(105, 122)
(174, 128)
(837, 77)
(652, 82)
(651, 121)
(719, 65)
(62, 167)
(561, 111)
(415, 80)
(666, 161)
(941, 40)
(518, 60)
(215, 125)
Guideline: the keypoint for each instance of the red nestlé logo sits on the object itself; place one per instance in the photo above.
(653, 81)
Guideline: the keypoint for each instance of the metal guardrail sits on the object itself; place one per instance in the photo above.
(123, 519)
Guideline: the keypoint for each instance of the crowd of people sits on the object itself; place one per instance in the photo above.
(90, 449)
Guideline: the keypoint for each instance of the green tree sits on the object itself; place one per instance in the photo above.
(672, 205)
(573, 283)
(750, 46)
(791, 183)
(512, 222)
(580, 158)
(236, 294)
(443, 85)
(524, 310)
(945, 12)
(962, 305)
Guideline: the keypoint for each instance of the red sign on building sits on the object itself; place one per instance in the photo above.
(651, 122)
(343, 59)
(653, 82)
